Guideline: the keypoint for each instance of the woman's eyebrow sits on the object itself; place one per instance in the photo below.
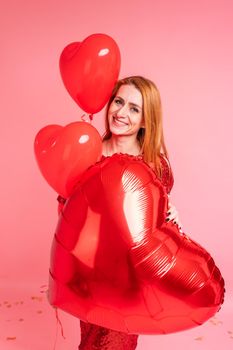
(135, 105)
(131, 103)
(119, 97)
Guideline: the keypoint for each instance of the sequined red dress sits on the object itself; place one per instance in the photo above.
(94, 337)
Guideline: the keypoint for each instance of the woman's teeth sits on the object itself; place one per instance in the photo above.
(119, 122)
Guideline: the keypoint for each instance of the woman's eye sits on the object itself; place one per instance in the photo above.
(134, 109)
(117, 101)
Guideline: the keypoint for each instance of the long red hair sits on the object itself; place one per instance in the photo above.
(151, 138)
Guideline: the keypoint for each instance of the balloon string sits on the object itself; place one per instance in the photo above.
(83, 117)
(62, 333)
(59, 321)
(91, 117)
(55, 342)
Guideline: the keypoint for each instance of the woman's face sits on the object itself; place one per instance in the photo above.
(125, 114)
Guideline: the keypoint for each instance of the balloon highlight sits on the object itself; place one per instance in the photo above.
(64, 153)
(89, 71)
(117, 263)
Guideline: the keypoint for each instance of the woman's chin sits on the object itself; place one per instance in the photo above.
(118, 131)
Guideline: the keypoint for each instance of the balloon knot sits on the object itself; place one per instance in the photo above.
(83, 117)
(91, 117)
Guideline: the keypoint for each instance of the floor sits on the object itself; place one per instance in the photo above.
(28, 322)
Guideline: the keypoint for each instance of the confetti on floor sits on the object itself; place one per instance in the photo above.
(199, 338)
(24, 311)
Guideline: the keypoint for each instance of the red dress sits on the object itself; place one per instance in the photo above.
(94, 337)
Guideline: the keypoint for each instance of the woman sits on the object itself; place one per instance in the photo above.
(133, 126)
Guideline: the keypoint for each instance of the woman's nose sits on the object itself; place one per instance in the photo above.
(122, 112)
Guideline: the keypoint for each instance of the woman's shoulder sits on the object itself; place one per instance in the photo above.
(164, 157)
(167, 174)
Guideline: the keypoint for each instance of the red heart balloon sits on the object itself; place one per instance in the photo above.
(116, 263)
(90, 70)
(64, 153)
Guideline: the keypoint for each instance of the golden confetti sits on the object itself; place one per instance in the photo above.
(215, 321)
(199, 338)
(37, 298)
(10, 338)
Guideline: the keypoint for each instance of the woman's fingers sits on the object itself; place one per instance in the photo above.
(173, 215)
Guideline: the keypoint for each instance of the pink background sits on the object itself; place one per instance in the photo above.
(186, 48)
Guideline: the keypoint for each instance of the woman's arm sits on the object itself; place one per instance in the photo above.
(61, 203)
(168, 181)
(173, 214)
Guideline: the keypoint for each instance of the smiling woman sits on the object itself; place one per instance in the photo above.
(125, 116)
(125, 119)
(134, 121)
(133, 126)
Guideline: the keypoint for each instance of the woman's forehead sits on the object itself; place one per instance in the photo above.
(130, 94)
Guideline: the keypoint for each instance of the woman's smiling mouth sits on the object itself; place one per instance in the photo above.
(119, 122)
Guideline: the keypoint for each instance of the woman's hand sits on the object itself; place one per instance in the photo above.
(172, 214)
(61, 203)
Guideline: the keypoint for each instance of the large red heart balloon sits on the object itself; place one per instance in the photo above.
(64, 153)
(116, 263)
(90, 70)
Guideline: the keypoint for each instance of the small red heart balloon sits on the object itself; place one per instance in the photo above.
(117, 263)
(90, 70)
(64, 153)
